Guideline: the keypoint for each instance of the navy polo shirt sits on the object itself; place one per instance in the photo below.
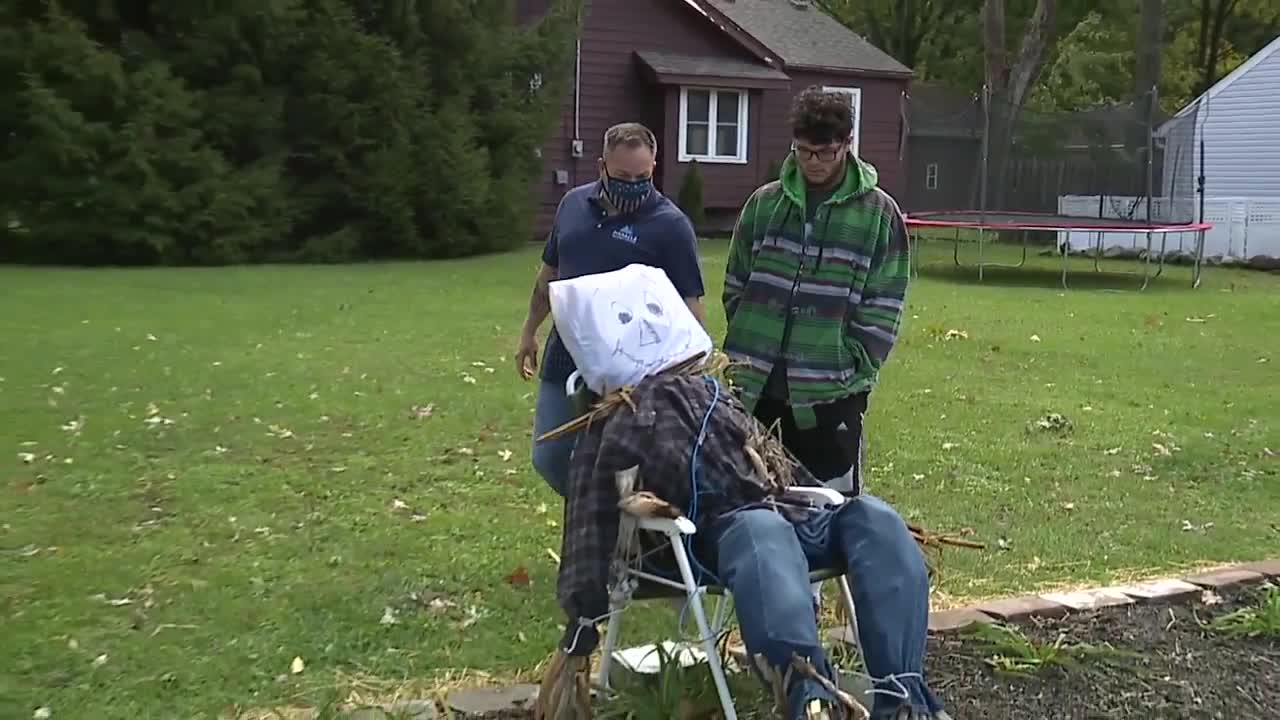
(586, 240)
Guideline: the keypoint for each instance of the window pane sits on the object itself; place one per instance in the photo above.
(727, 140)
(727, 107)
(695, 141)
(698, 106)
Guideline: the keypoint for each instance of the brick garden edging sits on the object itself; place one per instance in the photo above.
(496, 702)
(1055, 605)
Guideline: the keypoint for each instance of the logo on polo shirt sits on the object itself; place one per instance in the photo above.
(626, 233)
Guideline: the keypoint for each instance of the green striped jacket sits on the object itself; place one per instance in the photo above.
(843, 283)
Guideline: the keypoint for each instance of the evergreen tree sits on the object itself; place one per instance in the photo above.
(294, 129)
(690, 197)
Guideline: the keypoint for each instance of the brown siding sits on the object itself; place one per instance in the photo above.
(881, 127)
(612, 87)
(613, 90)
(957, 160)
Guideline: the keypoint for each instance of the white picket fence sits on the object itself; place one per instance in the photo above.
(1242, 227)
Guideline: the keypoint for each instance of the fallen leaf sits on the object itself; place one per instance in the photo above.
(956, 335)
(399, 504)
(918, 477)
(1161, 450)
(297, 666)
(468, 379)
(1035, 338)
(151, 337)
(519, 577)
(473, 616)
(421, 412)
(27, 458)
(100, 660)
(1112, 451)
(1069, 506)
(950, 446)
(278, 431)
(520, 637)
(505, 455)
(42, 713)
(440, 605)
(388, 616)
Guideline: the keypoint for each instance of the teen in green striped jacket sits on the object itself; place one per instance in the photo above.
(814, 289)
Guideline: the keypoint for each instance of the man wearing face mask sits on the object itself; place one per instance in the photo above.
(605, 225)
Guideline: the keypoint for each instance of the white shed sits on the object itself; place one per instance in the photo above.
(1231, 135)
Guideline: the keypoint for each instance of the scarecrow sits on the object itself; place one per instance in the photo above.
(678, 442)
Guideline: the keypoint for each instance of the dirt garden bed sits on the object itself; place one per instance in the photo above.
(1165, 664)
(1150, 660)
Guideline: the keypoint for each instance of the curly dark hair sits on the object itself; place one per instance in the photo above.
(821, 116)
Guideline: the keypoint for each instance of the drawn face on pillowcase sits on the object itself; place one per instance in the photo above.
(642, 332)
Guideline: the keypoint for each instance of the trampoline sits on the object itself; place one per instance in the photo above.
(1024, 223)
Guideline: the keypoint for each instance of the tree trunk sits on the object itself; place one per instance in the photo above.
(1009, 84)
(1213, 20)
(1146, 74)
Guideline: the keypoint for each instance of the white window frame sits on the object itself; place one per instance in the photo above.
(740, 157)
(931, 176)
(855, 135)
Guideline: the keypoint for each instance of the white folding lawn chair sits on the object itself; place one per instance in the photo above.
(641, 585)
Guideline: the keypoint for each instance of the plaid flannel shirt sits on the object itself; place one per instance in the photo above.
(659, 437)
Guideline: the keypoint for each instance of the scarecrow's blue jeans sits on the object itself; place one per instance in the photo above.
(551, 458)
(764, 560)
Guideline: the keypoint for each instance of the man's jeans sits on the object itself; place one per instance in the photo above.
(551, 458)
(764, 560)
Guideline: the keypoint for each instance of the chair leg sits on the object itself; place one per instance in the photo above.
(610, 642)
(722, 612)
(708, 639)
(846, 595)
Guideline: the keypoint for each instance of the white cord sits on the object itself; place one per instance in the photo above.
(588, 623)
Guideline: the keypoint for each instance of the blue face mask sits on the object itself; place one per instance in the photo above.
(626, 195)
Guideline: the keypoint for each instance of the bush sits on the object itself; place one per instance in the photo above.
(690, 198)
(205, 133)
(773, 171)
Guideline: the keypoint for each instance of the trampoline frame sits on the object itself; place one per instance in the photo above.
(1024, 228)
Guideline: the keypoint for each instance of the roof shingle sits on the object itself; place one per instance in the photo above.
(664, 63)
(804, 35)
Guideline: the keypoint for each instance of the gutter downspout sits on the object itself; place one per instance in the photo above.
(576, 140)
(577, 86)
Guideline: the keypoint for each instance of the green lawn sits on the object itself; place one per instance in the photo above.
(208, 473)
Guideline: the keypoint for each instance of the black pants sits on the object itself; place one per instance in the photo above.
(833, 447)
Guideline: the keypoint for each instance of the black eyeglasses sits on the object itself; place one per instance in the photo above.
(825, 154)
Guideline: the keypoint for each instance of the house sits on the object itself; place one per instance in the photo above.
(714, 80)
(1230, 137)
(1055, 154)
(944, 148)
